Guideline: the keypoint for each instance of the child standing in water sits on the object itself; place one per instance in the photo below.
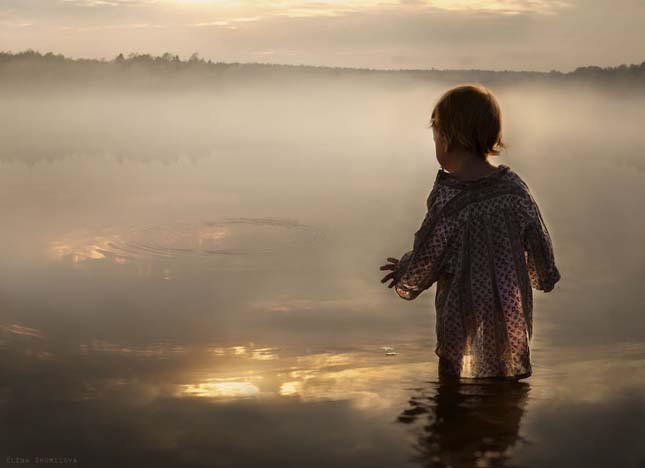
(483, 241)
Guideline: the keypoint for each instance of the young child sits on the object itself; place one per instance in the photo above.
(483, 241)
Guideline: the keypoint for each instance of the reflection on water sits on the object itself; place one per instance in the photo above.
(226, 311)
(467, 423)
(110, 404)
(242, 236)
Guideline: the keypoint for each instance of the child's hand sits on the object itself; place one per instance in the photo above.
(390, 266)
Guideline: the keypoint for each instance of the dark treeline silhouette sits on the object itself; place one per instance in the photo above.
(147, 71)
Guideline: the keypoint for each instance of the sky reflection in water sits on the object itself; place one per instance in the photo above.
(198, 313)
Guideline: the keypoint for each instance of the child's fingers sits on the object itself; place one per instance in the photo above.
(392, 259)
(388, 266)
(387, 277)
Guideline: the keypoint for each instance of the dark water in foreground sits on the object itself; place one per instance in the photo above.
(228, 313)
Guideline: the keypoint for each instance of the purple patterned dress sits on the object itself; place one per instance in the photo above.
(485, 244)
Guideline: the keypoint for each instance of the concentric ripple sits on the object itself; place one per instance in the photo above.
(228, 237)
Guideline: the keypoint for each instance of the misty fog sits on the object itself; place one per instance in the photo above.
(171, 222)
(353, 163)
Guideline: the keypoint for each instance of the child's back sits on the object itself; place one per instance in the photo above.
(485, 244)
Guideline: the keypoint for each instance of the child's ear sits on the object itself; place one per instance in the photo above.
(443, 141)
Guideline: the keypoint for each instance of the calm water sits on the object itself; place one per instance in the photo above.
(179, 288)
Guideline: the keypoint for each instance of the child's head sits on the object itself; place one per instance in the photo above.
(467, 118)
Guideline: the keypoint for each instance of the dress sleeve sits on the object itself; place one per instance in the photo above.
(538, 251)
(419, 268)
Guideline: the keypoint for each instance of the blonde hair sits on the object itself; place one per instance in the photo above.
(469, 116)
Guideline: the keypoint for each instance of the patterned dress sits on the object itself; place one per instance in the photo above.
(485, 244)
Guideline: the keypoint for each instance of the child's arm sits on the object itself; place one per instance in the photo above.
(540, 258)
(419, 268)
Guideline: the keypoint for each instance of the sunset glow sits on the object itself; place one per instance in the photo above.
(385, 34)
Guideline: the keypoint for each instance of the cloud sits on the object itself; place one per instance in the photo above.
(108, 3)
(485, 34)
(228, 21)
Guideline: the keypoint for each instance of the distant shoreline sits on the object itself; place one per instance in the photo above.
(30, 66)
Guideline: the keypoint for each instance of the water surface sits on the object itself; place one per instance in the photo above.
(192, 280)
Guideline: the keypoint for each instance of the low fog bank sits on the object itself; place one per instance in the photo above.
(163, 108)
(323, 114)
(345, 153)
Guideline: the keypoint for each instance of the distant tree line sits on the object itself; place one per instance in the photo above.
(23, 68)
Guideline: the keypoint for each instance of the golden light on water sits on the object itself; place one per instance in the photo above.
(21, 330)
(221, 389)
(245, 371)
(123, 244)
(290, 388)
(78, 253)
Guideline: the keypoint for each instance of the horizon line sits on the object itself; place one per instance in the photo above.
(204, 60)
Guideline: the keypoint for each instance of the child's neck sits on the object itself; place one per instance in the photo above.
(468, 166)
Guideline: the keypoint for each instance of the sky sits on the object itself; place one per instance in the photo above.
(538, 35)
